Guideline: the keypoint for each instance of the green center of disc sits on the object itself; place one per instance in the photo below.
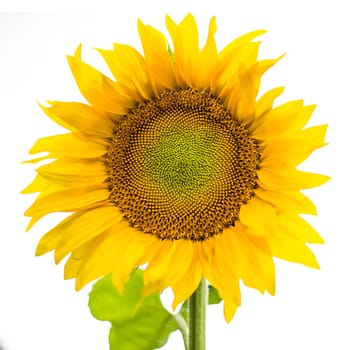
(183, 160)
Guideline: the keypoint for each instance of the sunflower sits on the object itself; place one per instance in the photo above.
(178, 167)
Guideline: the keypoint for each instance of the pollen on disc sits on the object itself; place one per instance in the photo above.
(180, 167)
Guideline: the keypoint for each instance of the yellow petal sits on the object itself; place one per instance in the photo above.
(77, 116)
(79, 255)
(294, 149)
(289, 179)
(102, 259)
(259, 68)
(229, 310)
(302, 118)
(246, 106)
(218, 271)
(99, 91)
(35, 160)
(292, 201)
(188, 283)
(184, 250)
(231, 292)
(259, 217)
(132, 71)
(277, 121)
(74, 172)
(158, 265)
(298, 228)
(219, 276)
(255, 268)
(288, 248)
(226, 72)
(186, 52)
(157, 60)
(204, 252)
(239, 82)
(68, 145)
(85, 227)
(168, 266)
(37, 185)
(265, 103)
(208, 58)
(239, 97)
(50, 240)
(140, 249)
(237, 48)
(129, 84)
(242, 52)
(67, 201)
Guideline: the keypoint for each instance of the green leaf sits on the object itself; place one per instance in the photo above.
(170, 52)
(213, 296)
(184, 311)
(135, 326)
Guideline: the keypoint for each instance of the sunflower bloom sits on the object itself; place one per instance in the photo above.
(177, 165)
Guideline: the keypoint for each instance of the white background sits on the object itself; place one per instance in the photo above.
(312, 309)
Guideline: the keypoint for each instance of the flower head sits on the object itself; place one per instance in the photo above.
(178, 166)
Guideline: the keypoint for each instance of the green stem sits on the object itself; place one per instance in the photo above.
(197, 317)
